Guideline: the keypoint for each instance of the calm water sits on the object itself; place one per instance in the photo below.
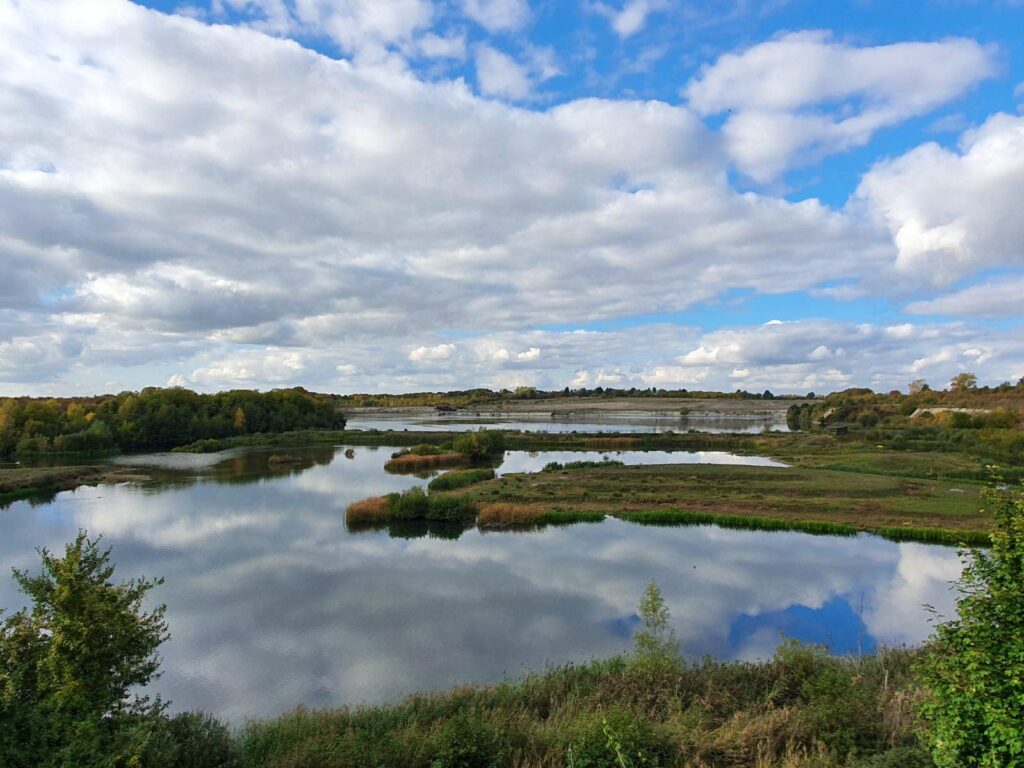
(273, 603)
(623, 422)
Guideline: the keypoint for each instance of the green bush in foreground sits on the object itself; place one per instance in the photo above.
(975, 668)
(68, 666)
(415, 504)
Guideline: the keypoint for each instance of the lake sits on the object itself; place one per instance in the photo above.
(633, 423)
(273, 603)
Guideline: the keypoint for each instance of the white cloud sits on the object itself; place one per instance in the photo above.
(996, 298)
(498, 15)
(803, 95)
(432, 354)
(500, 75)
(952, 213)
(632, 17)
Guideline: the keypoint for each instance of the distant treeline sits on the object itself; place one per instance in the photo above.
(982, 420)
(156, 419)
(474, 397)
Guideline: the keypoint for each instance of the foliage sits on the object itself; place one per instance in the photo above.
(481, 444)
(155, 419)
(655, 642)
(68, 666)
(554, 466)
(974, 670)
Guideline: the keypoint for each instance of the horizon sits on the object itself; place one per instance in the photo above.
(436, 195)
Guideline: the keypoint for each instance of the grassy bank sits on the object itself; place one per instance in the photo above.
(801, 709)
(817, 500)
(31, 482)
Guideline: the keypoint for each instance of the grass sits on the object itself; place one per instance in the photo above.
(519, 515)
(411, 462)
(413, 504)
(452, 480)
(803, 709)
(31, 482)
(682, 517)
(793, 498)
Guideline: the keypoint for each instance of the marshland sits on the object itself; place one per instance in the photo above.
(362, 566)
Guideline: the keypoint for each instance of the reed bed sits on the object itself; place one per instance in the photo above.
(410, 462)
(936, 536)
(516, 515)
(376, 509)
(684, 517)
(451, 480)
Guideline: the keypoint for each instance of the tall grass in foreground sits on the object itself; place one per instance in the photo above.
(803, 709)
(684, 517)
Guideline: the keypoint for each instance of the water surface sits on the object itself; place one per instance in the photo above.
(273, 603)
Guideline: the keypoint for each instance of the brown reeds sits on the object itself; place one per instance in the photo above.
(372, 510)
(410, 462)
(502, 515)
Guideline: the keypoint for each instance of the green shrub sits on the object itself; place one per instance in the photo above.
(449, 508)
(201, 741)
(618, 738)
(468, 740)
(480, 444)
(408, 505)
(974, 670)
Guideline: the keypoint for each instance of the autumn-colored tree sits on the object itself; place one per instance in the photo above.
(240, 420)
(963, 382)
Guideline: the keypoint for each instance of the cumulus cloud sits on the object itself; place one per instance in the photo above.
(501, 75)
(632, 17)
(953, 212)
(498, 15)
(805, 95)
(995, 298)
(432, 354)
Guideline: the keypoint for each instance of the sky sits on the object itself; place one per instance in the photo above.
(406, 195)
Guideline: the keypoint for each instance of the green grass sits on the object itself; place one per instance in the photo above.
(795, 498)
(682, 517)
(452, 480)
(803, 709)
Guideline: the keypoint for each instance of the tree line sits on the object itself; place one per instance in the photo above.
(156, 418)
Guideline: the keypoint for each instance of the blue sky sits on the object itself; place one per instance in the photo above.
(360, 195)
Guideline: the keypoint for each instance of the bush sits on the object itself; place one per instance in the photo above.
(69, 666)
(468, 740)
(201, 741)
(480, 444)
(449, 508)
(974, 670)
(614, 739)
(408, 505)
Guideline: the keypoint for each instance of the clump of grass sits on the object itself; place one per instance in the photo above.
(452, 480)
(411, 462)
(413, 504)
(684, 517)
(373, 510)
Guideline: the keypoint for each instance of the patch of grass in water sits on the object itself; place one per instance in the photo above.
(451, 480)
(684, 517)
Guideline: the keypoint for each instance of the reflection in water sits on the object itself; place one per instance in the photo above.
(273, 603)
(623, 422)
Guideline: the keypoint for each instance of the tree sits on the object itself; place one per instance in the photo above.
(974, 669)
(917, 386)
(963, 382)
(240, 420)
(69, 665)
(655, 642)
